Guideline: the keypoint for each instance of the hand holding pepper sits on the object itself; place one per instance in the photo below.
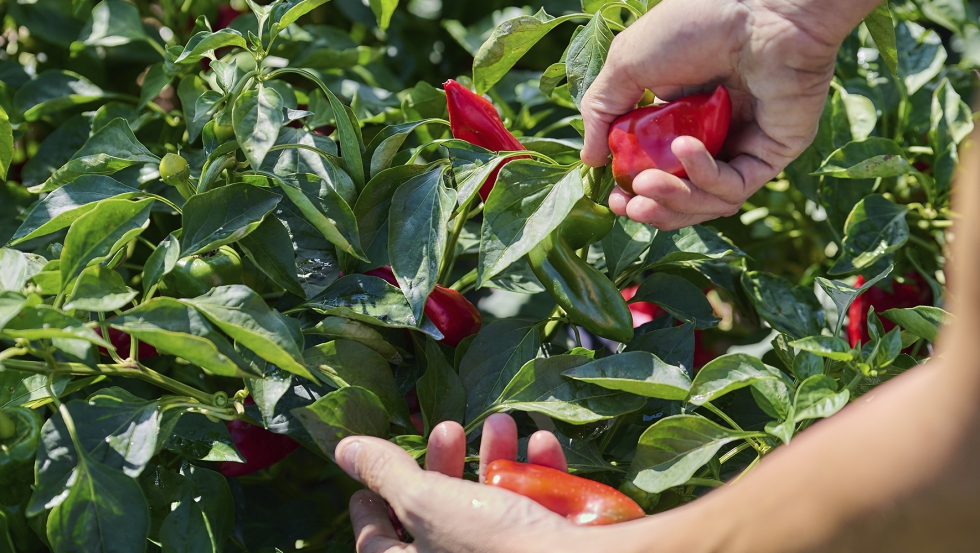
(776, 60)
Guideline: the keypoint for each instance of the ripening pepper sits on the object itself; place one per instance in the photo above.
(474, 119)
(587, 296)
(641, 139)
(260, 448)
(450, 312)
(122, 341)
(914, 292)
(582, 501)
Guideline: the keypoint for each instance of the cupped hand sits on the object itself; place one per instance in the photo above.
(777, 64)
(443, 512)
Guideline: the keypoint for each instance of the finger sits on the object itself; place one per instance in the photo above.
(543, 449)
(447, 449)
(373, 530)
(380, 465)
(652, 212)
(732, 182)
(618, 199)
(499, 441)
(681, 195)
(609, 96)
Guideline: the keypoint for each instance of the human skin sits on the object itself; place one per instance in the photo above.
(894, 471)
(776, 57)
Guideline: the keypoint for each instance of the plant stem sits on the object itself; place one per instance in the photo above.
(705, 482)
(143, 373)
(449, 257)
(721, 414)
(747, 469)
(465, 281)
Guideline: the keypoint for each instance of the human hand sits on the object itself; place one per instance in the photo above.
(775, 60)
(443, 512)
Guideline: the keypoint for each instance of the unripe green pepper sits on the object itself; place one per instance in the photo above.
(175, 172)
(198, 274)
(21, 430)
(587, 296)
(224, 131)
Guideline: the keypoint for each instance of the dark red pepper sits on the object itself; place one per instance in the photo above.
(582, 501)
(644, 312)
(914, 292)
(641, 139)
(448, 310)
(122, 343)
(260, 448)
(474, 119)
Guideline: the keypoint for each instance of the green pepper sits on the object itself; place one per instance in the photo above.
(17, 451)
(198, 274)
(587, 296)
(175, 172)
(224, 131)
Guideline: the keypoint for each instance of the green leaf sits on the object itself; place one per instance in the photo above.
(112, 23)
(110, 149)
(54, 91)
(806, 364)
(636, 372)
(508, 43)
(540, 387)
(383, 10)
(350, 411)
(258, 116)
(196, 437)
(103, 512)
(6, 144)
(172, 327)
(418, 233)
(870, 158)
(817, 398)
(271, 250)
(342, 363)
(672, 450)
(921, 55)
(324, 208)
(155, 82)
(289, 11)
(101, 232)
(494, 357)
(882, 29)
(472, 166)
(674, 345)
(790, 309)
(830, 347)
(529, 201)
(374, 203)
(875, 228)
(625, 244)
(99, 288)
(62, 207)
(441, 393)
(198, 102)
(726, 374)
(586, 55)
(923, 321)
(843, 295)
(242, 314)
(16, 268)
(551, 78)
(692, 243)
(677, 296)
(160, 263)
(340, 327)
(368, 299)
(223, 216)
(386, 143)
(205, 42)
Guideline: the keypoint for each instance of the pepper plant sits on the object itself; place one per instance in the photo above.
(229, 238)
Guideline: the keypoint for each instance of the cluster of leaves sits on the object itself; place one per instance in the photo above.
(310, 155)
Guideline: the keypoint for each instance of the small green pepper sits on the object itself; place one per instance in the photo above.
(587, 296)
(17, 451)
(175, 172)
(198, 274)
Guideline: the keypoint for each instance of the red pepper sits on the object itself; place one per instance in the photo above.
(641, 139)
(582, 501)
(643, 311)
(914, 292)
(122, 343)
(261, 448)
(474, 119)
(415, 411)
(448, 310)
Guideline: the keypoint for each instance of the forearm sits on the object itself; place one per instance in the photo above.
(827, 20)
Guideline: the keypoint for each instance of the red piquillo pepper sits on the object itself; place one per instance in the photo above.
(474, 119)
(641, 139)
(448, 310)
(261, 448)
(582, 501)
(914, 292)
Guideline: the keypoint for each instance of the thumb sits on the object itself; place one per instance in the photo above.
(612, 94)
(380, 465)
